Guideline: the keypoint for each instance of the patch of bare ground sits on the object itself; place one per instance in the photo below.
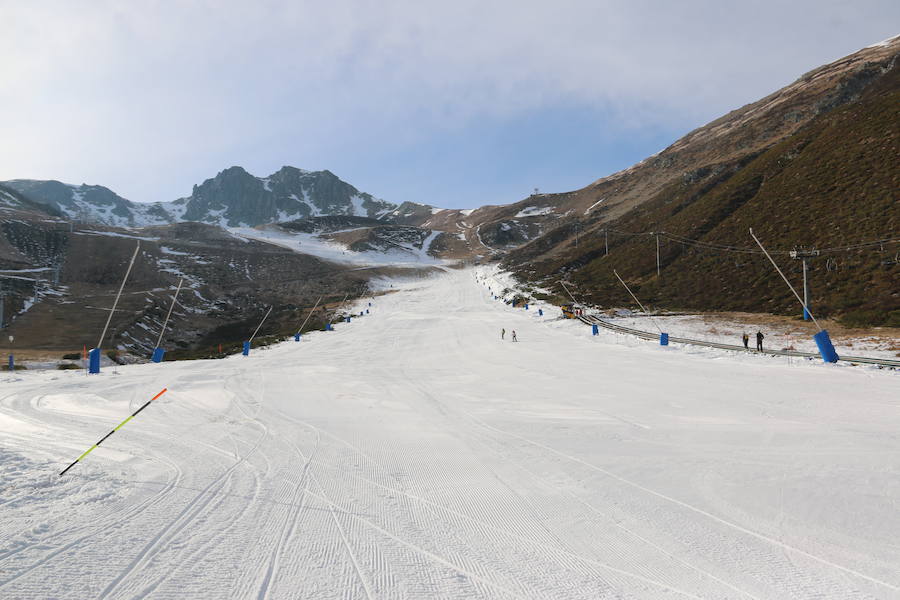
(887, 338)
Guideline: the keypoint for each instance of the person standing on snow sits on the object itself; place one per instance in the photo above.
(746, 339)
(514, 336)
(503, 334)
(759, 339)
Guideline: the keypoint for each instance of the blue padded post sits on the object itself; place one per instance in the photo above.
(826, 349)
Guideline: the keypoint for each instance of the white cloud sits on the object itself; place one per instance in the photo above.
(127, 93)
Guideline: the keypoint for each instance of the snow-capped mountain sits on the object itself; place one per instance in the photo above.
(233, 198)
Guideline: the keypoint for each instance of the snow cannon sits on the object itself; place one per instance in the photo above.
(94, 360)
(595, 330)
(663, 339)
(158, 354)
(826, 349)
(246, 351)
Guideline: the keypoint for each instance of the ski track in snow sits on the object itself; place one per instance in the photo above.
(412, 454)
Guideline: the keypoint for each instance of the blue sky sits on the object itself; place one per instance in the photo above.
(454, 104)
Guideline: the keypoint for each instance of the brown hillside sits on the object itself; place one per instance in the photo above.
(812, 165)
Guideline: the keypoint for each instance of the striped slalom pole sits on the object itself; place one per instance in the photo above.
(118, 427)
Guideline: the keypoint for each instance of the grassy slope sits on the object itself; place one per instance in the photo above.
(833, 183)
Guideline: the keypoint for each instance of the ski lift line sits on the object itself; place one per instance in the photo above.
(737, 249)
(261, 323)
(311, 311)
(118, 427)
(802, 303)
(644, 310)
(137, 247)
(169, 314)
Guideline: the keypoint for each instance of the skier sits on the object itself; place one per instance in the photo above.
(746, 339)
(503, 334)
(759, 339)
(514, 336)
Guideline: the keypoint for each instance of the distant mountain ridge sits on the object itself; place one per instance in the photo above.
(233, 198)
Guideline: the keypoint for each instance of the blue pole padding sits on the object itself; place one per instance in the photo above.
(595, 330)
(526, 306)
(826, 349)
(296, 337)
(805, 314)
(246, 351)
(540, 312)
(328, 327)
(94, 360)
(12, 363)
(158, 355)
(348, 319)
(367, 311)
(663, 339)
(370, 304)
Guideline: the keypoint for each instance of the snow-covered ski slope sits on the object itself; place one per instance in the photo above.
(413, 454)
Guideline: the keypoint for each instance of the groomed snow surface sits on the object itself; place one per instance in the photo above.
(413, 454)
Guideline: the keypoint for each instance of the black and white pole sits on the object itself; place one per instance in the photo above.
(159, 352)
(309, 314)
(94, 354)
(823, 341)
(246, 351)
(118, 427)
(663, 337)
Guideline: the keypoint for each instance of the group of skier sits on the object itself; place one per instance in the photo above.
(759, 340)
(503, 335)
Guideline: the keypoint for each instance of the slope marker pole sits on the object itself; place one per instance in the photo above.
(169, 314)
(266, 316)
(311, 311)
(663, 337)
(158, 352)
(118, 427)
(118, 295)
(796, 295)
(822, 339)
